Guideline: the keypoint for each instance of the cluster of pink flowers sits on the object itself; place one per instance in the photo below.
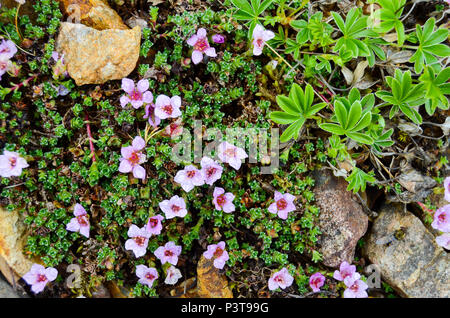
(11, 164)
(356, 288)
(138, 95)
(7, 50)
(441, 220)
(211, 170)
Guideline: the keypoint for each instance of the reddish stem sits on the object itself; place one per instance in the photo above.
(91, 144)
(25, 82)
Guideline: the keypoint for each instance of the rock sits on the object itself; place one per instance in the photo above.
(342, 219)
(419, 186)
(412, 263)
(96, 14)
(210, 283)
(13, 263)
(94, 57)
(7, 291)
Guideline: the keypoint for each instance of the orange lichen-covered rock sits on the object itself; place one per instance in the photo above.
(93, 13)
(94, 57)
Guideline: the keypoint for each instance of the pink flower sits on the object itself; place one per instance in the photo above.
(4, 66)
(447, 189)
(200, 43)
(223, 201)
(218, 252)
(167, 107)
(283, 205)
(211, 170)
(281, 279)
(356, 288)
(154, 224)
(218, 38)
(444, 240)
(137, 95)
(147, 275)
(189, 177)
(150, 114)
(168, 253)
(20, 1)
(173, 274)
(11, 164)
(174, 207)
(132, 157)
(138, 240)
(7, 49)
(345, 270)
(316, 281)
(39, 276)
(231, 154)
(174, 130)
(80, 223)
(442, 219)
(260, 36)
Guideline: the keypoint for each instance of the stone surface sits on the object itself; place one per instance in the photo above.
(210, 283)
(412, 263)
(93, 13)
(342, 219)
(7, 291)
(13, 263)
(94, 57)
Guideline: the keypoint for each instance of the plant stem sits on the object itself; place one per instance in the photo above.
(15, 20)
(91, 144)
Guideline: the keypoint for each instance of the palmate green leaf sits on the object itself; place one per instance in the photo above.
(390, 18)
(403, 96)
(351, 117)
(436, 87)
(429, 45)
(383, 140)
(354, 27)
(297, 108)
(358, 179)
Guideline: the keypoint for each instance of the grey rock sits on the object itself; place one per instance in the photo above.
(412, 263)
(342, 219)
(6, 291)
